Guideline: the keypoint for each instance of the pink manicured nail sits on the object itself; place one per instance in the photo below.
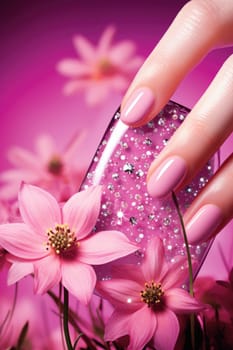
(203, 223)
(138, 105)
(167, 177)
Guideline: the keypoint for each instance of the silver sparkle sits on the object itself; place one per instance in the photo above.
(115, 176)
(139, 173)
(128, 168)
(133, 220)
(147, 142)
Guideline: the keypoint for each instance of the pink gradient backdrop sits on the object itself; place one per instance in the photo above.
(36, 35)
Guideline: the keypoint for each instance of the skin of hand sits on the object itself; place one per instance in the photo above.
(207, 24)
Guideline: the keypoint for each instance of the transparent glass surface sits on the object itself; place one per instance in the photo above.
(120, 165)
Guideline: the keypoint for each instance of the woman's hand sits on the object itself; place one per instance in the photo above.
(200, 26)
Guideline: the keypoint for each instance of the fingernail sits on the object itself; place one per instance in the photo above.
(167, 177)
(138, 105)
(203, 223)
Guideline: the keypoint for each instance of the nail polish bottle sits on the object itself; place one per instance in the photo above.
(120, 165)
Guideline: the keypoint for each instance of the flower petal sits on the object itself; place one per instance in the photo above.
(176, 275)
(123, 294)
(84, 48)
(9, 191)
(180, 301)
(119, 83)
(19, 270)
(4, 213)
(12, 180)
(19, 240)
(74, 146)
(132, 65)
(106, 40)
(45, 147)
(122, 52)
(167, 330)
(105, 246)
(97, 92)
(73, 68)
(117, 326)
(74, 86)
(23, 158)
(154, 262)
(79, 279)
(38, 208)
(81, 211)
(129, 272)
(47, 273)
(19, 175)
(142, 327)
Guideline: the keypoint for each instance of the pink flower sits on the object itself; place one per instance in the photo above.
(12, 323)
(100, 69)
(48, 168)
(146, 299)
(218, 294)
(217, 318)
(58, 240)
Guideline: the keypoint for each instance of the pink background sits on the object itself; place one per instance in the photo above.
(35, 35)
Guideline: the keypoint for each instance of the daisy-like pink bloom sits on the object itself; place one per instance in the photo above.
(48, 168)
(146, 299)
(58, 240)
(101, 69)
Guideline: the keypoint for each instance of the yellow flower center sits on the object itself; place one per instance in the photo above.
(152, 294)
(61, 239)
(55, 165)
(104, 68)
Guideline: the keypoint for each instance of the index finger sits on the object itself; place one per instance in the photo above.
(200, 26)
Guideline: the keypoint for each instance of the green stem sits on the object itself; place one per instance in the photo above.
(190, 268)
(73, 321)
(205, 336)
(66, 319)
(60, 307)
(77, 340)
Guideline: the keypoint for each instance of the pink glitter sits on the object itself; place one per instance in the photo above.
(120, 165)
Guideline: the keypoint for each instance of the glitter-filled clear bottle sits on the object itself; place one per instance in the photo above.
(120, 165)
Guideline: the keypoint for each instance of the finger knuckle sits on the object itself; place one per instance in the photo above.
(200, 127)
(203, 12)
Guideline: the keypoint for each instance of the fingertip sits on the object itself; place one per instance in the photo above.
(202, 225)
(138, 106)
(167, 177)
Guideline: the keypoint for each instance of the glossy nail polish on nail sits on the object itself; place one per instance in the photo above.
(203, 223)
(138, 105)
(167, 177)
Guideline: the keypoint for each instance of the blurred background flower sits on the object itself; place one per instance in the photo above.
(57, 171)
(101, 70)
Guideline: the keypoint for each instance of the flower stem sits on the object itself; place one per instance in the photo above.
(190, 267)
(73, 320)
(66, 320)
(60, 307)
